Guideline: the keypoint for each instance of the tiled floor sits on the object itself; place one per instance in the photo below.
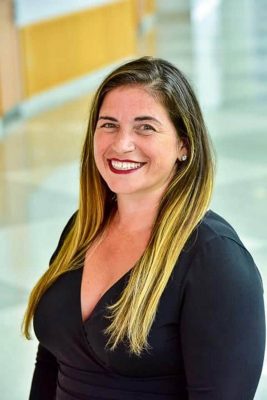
(223, 50)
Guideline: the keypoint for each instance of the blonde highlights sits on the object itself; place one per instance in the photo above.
(181, 209)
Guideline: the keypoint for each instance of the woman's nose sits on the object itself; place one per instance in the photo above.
(123, 142)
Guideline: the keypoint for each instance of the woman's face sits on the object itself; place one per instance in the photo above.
(135, 143)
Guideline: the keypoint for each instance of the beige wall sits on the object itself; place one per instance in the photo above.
(10, 78)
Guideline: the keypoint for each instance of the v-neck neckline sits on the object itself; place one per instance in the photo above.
(101, 299)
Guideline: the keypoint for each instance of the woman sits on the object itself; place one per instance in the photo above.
(149, 295)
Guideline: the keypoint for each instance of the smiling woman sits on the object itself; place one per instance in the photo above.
(141, 143)
(149, 295)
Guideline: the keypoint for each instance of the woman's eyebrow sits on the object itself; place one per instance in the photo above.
(147, 118)
(141, 118)
(106, 117)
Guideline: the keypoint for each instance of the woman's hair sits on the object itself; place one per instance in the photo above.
(181, 208)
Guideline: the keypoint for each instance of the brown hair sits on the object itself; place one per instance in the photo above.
(182, 206)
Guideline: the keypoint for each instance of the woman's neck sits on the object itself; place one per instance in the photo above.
(135, 215)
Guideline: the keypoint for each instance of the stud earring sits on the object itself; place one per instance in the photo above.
(184, 157)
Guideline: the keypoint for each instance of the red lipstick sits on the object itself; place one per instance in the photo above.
(126, 171)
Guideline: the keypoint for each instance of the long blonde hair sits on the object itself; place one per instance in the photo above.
(181, 209)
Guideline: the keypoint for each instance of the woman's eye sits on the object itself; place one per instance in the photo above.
(108, 125)
(146, 128)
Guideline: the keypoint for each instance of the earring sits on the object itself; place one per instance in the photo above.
(184, 157)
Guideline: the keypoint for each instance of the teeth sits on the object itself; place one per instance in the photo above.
(124, 165)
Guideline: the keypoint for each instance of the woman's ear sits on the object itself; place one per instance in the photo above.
(183, 148)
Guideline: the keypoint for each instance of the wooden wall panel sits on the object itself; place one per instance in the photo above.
(150, 6)
(1, 104)
(65, 48)
(10, 79)
(120, 31)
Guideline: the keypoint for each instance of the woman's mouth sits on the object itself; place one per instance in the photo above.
(124, 166)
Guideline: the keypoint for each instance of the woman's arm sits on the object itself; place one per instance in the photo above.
(223, 323)
(44, 379)
(63, 235)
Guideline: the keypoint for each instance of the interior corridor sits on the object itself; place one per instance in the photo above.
(223, 50)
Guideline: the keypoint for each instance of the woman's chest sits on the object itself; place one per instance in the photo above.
(59, 326)
(104, 266)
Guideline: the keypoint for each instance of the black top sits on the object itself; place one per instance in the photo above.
(207, 339)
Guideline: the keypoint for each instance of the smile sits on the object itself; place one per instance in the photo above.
(124, 166)
(121, 165)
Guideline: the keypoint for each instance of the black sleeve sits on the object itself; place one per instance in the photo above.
(223, 323)
(63, 235)
(44, 379)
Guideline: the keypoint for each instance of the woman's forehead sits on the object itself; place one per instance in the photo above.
(131, 99)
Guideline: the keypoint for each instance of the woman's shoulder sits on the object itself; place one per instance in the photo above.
(213, 226)
(67, 228)
(215, 239)
(63, 235)
(216, 252)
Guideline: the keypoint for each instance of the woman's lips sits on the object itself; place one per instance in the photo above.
(124, 166)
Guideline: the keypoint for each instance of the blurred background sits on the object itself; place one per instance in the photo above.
(53, 55)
